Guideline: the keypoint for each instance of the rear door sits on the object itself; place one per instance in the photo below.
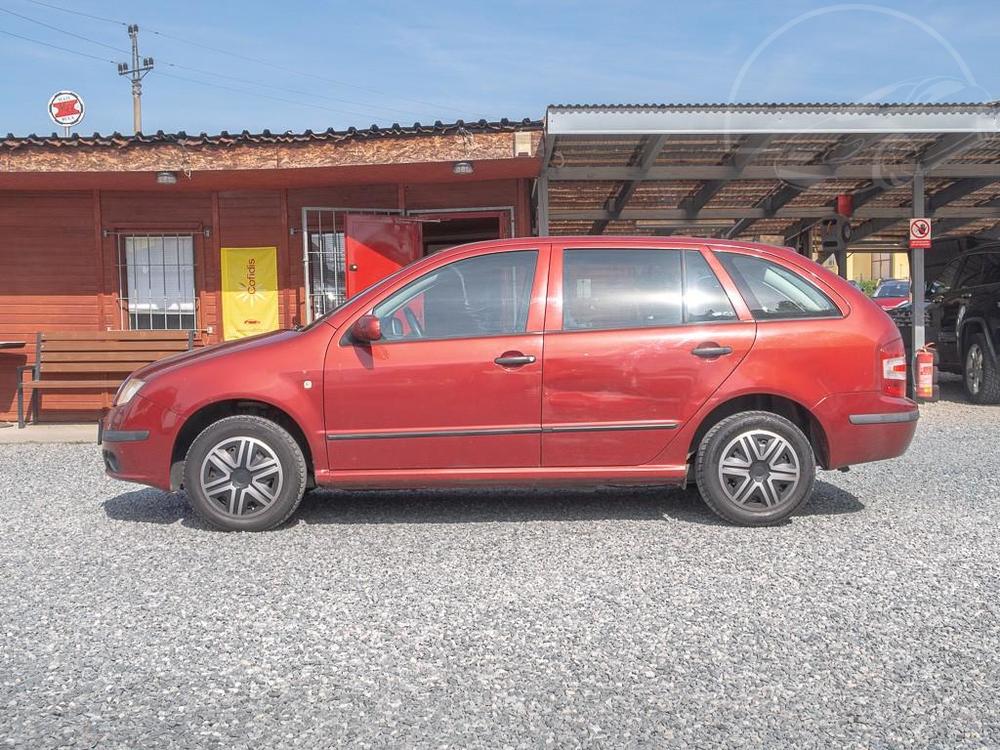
(636, 341)
(377, 246)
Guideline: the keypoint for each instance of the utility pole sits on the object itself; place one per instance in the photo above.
(136, 71)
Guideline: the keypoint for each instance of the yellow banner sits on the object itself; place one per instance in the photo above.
(249, 291)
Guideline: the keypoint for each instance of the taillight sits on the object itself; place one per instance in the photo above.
(893, 358)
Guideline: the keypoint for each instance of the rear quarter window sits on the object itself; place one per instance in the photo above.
(773, 292)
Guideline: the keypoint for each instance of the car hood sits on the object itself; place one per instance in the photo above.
(214, 351)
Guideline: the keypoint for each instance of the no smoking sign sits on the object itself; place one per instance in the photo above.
(920, 233)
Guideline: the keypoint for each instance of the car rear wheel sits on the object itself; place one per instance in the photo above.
(245, 473)
(982, 382)
(755, 468)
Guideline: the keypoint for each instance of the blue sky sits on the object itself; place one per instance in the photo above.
(336, 64)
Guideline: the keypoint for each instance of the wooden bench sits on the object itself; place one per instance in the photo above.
(92, 361)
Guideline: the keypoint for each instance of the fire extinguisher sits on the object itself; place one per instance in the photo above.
(926, 388)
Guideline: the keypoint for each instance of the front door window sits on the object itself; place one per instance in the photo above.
(483, 296)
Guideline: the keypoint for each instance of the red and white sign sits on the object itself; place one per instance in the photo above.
(920, 233)
(66, 108)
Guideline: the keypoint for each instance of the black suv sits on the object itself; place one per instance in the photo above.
(964, 317)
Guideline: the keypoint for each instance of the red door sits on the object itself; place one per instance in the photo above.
(631, 353)
(455, 381)
(377, 246)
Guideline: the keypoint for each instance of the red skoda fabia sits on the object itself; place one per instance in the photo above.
(553, 360)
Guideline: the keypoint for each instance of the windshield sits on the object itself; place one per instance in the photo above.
(893, 289)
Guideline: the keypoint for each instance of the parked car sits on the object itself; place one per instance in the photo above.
(554, 360)
(964, 313)
(891, 293)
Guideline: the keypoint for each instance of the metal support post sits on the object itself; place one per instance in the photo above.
(917, 265)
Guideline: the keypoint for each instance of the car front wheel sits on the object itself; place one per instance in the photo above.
(755, 468)
(245, 473)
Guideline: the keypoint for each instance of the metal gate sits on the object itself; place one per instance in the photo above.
(323, 261)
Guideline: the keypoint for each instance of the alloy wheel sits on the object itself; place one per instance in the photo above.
(974, 369)
(759, 470)
(242, 476)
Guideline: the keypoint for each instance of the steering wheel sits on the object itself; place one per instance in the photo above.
(415, 326)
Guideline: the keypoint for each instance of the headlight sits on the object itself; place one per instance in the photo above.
(127, 390)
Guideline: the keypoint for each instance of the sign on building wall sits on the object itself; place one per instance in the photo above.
(249, 291)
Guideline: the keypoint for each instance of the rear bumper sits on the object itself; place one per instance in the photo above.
(863, 427)
(137, 441)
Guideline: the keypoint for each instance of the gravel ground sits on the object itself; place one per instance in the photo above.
(610, 618)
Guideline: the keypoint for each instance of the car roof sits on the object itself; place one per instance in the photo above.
(624, 242)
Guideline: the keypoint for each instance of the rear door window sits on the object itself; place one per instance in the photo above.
(607, 289)
(772, 292)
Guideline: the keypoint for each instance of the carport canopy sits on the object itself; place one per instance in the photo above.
(746, 171)
(772, 171)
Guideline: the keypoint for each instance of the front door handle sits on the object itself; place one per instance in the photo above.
(514, 360)
(710, 351)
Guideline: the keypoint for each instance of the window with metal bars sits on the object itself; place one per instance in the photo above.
(156, 281)
(327, 285)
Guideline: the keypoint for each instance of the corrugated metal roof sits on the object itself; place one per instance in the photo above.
(786, 162)
(824, 107)
(225, 138)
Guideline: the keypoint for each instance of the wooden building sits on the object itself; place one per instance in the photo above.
(118, 232)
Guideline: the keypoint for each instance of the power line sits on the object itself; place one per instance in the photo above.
(78, 13)
(180, 78)
(278, 88)
(213, 73)
(61, 31)
(56, 46)
(293, 71)
(257, 93)
(248, 58)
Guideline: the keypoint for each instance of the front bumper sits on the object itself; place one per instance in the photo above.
(137, 441)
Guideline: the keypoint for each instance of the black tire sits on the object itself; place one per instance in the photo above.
(986, 388)
(787, 496)
(266, 444)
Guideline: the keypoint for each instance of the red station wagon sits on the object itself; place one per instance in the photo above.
(579, 361)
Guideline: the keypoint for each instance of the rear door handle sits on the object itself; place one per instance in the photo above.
(710, 351)
(514, 360)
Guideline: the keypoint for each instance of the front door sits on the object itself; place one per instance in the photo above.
(635, 343)
(455, 381)
(377, 246)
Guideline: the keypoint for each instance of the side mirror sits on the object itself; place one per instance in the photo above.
(366, 329)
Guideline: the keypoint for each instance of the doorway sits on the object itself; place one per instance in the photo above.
(444, 229)
(331, 237)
